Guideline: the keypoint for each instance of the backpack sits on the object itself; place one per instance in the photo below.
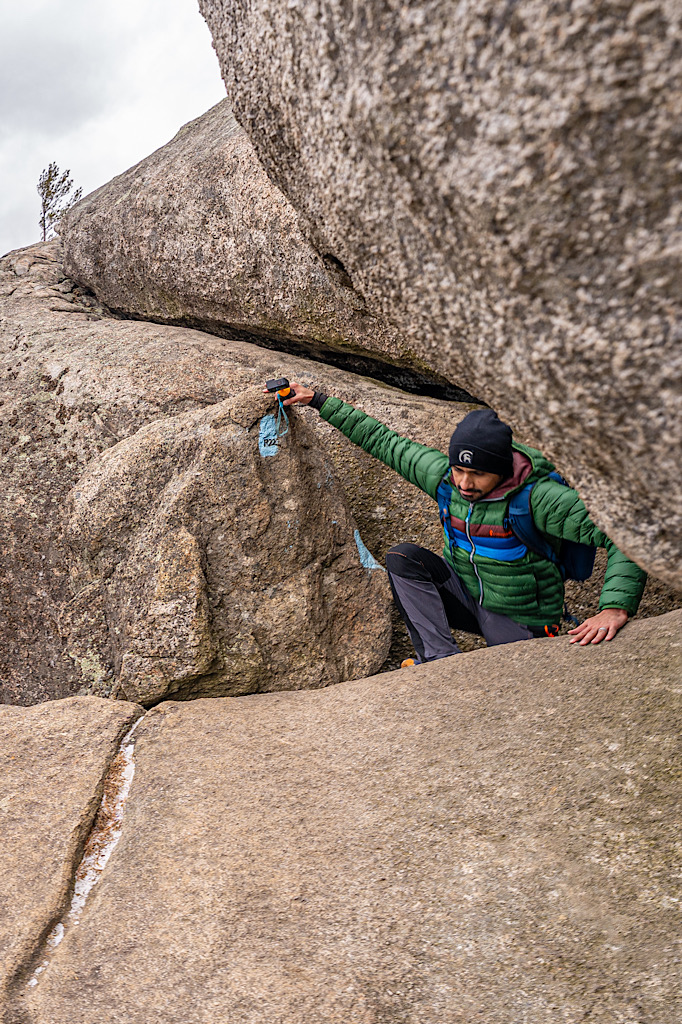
(574, 560)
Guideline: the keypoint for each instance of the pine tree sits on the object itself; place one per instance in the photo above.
(53, 189)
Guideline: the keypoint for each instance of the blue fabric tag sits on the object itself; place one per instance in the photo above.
(366, 556)
(267, 436)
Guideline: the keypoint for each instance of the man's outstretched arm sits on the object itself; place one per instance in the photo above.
(418, 464)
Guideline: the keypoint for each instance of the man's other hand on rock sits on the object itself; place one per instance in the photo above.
(603, 626)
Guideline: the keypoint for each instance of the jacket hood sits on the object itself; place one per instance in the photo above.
(522, 469)
(527, 462)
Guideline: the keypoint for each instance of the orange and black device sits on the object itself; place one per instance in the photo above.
(281, 386)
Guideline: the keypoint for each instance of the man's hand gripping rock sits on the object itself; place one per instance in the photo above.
(603, 626)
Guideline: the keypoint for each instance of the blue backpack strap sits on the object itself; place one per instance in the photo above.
(443, 497)
(575, 560)
(521, 522)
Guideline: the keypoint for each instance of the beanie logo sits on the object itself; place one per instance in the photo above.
(466, 456)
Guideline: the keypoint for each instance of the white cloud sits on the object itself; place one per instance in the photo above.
(95, 88)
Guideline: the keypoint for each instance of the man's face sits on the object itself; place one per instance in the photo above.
(472, 484)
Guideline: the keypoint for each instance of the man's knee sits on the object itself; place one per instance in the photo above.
(412, 562)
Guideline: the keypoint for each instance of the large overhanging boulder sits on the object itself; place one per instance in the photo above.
(197, 234)
(501, 181)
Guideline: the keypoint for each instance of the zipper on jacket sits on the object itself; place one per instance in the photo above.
(473, 552)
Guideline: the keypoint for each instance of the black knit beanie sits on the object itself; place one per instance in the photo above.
(481, 441)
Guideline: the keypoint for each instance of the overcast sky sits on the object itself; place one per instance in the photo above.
(95, 85)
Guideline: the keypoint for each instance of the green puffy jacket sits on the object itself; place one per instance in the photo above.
(530, 589)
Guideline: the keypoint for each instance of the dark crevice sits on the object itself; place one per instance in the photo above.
(337, 269)
(430, 385)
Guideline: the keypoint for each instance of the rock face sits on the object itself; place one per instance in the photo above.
(503, 184)
(76, 383)
(53, 760)
(212, 557)
(491, 837)
(197, 233)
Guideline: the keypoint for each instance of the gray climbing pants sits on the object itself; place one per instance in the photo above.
(432, 600)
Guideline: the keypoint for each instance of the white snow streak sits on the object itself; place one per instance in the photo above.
(100, 845)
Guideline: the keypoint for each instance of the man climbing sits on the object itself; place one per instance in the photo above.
(489, 581)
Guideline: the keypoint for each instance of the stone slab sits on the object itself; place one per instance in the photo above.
(53, 759)
(488, 838)
(197, 234)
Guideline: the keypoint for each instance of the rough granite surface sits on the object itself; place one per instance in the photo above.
(76, 383)
(53, 760)
(211, 558)
(502, 182)
(197, 233)
(488, 838)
